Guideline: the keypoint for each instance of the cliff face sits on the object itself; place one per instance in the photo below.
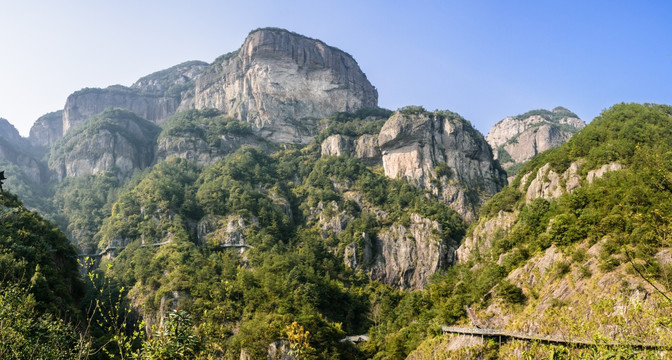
(404, 255)
(282, 82)
(18, 151)
(89, 102)
(517, 139)
(200, 151)
(116, 139)
(442, 153)
(47, 130)
(154, 97)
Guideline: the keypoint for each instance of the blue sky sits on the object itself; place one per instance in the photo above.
(482, 59)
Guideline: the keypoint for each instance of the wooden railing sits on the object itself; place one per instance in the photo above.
(504, 335)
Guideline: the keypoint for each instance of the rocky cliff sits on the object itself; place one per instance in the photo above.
(204, 137)
(115, 139)
(18, 151)
(171, 82)
(403, 254)
(47, 130)
(516, 139)
(443, 153)
(88, 102)
(154, 97)
(282, 82)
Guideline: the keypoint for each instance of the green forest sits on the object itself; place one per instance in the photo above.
(226, 260)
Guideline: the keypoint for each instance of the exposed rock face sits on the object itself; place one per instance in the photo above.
(517, 139)
(282, 82)
(200, 151)
(441, 152)
(545, 183)
(364, 147)
(47, 129)
(154, 97)
(367, 150)
(403, 254)
(88, 102)
(17, 150)
(229, 231)
(115, 139)
(9, 132)
(171, 82)
(548, 184)
(407, 256)
(481, 239)
(337, 145)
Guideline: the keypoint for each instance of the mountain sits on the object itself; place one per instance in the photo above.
(115, 139)
(226, 213)
(516, 139)
(576, 246)
(47, 130)
(280, 82)
(154, 97)
(437, 151)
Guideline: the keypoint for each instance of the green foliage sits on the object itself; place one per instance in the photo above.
(505, 200)
(176, 339)
(413, 110)
(207, 124)
(83, 203)
(553, 116)
(29, 334)
(32, 248)
(364, 121)
(442, 169)
(510, 293)
(156, 209)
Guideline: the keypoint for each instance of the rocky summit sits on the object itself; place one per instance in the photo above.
(444, 154)
(516, 139)
(283, 83)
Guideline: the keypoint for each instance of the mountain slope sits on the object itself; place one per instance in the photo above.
(575, 245)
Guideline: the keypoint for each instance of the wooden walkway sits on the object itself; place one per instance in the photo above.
(114, 248)
(503, 335)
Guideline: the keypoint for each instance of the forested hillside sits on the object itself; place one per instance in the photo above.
(577, 246)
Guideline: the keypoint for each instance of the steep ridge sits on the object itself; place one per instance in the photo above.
(21, 160)
(516, 139)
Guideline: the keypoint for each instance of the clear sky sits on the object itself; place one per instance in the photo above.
(482, 59)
